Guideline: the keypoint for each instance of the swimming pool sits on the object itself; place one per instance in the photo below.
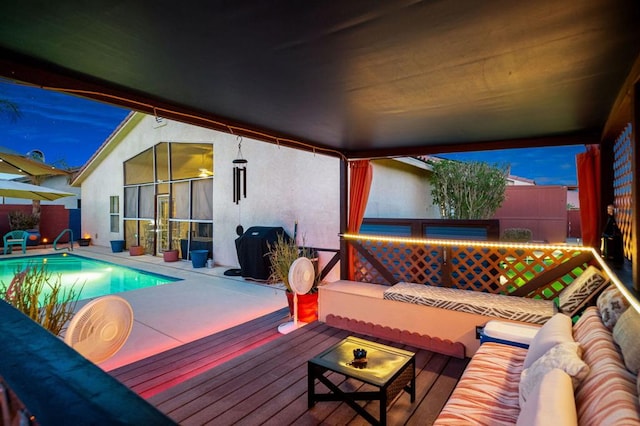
(98, 277)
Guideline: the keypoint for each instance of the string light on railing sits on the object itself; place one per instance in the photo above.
(468, 243)
(471, 243)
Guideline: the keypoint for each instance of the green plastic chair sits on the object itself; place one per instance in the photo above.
(15, 238)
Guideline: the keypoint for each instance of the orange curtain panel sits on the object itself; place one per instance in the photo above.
(361, 174)
(588, 168)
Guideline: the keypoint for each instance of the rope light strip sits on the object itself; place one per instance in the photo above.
(427, 241)
(564, 247)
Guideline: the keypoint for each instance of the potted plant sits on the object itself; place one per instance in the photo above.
(199, 258)
(282, 254)
(117, 246)
(19, 221)
(84, 241)
(170, 255)
(136, 250)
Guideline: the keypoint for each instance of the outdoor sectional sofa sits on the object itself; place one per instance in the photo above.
(443, 320)
(586, 374)
(605, 382)
(415, 314)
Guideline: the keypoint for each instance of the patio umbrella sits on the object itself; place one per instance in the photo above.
(14, 163)
(13, 189)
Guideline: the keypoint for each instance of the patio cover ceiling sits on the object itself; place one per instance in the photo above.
(361, 78)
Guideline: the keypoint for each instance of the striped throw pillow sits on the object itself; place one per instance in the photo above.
(580, 289)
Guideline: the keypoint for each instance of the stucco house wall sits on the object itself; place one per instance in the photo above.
(284, 185)
(400, 189)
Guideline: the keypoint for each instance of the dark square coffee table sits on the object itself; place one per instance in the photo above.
(389, 369)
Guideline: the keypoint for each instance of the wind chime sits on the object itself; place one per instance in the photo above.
(239, 183)
(239, 176)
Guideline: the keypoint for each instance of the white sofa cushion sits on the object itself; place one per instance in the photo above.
(551, 402)
(555, 331)
(565, 356)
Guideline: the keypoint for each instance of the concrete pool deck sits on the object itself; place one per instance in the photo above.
(204, 302)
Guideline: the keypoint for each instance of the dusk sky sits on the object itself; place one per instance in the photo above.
(547, 166)
(69, 129)
(66, 128)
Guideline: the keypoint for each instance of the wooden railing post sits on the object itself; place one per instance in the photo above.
(446, 266)
(344, 203)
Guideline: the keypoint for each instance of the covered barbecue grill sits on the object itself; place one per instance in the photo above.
(253, 248)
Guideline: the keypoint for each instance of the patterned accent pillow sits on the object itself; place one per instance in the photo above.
(626, 334)
(551, 402)
(565, 356)
(581, 288)
(611, 304)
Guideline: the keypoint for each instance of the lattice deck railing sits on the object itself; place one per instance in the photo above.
(491, 268)
(623, 183)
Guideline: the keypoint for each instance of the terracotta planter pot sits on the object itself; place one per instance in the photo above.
(170, 255)
(307, 306)
(136, 250)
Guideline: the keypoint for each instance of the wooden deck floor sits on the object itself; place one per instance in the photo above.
(154, 374)
(250, 375)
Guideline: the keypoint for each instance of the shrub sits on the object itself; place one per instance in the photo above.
(22, 221)
(52, 309)
(520, 235)
(282, 253)
(472, 190)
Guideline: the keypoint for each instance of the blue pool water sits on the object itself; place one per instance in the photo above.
(97, 277)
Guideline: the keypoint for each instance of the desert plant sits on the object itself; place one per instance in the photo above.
(282, 253)
(22, 221)
(472, 190)
(51, 309)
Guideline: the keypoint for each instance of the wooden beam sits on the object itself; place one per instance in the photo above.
(329, 266)
(581, 138)
(54, 78)
(379, 267)
(552, 274)
(344, 214)
(622, 110)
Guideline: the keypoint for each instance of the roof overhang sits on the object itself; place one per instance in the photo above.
(354, 79)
